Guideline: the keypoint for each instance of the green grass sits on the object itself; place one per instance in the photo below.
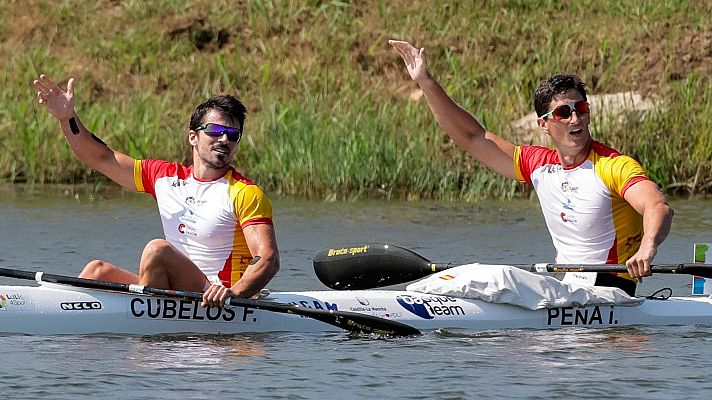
(329, 109)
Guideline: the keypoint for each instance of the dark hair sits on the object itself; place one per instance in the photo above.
(226, 105)
(553, 85)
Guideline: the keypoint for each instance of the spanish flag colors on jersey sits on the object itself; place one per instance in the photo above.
(583, 205)
(204, 219)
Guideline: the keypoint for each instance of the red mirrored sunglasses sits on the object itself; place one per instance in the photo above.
(564, 111)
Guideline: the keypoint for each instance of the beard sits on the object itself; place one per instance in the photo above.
(215, 160)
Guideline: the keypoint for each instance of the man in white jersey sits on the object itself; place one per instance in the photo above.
(598, 204)
(217, 223)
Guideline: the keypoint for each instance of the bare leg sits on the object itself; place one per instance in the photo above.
(164, 266)
(104, 271)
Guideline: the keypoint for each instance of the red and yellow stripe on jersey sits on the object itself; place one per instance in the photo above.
(204, 219)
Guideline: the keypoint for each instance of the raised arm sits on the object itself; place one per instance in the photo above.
(648, 201)
(488, 148)
(86, 146)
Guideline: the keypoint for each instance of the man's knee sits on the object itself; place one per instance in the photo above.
(96, 269)
(156, 253)
(156, 249)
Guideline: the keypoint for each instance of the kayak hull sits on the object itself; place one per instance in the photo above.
(52, 309)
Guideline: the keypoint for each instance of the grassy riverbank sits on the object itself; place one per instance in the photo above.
(333, 113)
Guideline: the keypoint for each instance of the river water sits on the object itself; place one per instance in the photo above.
(58, 231)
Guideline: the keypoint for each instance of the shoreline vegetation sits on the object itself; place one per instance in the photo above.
(332, 112)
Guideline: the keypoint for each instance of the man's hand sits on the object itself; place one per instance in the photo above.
(639, 264)
(215, 296)
(414, 59)
(647, 199)
(58, 102)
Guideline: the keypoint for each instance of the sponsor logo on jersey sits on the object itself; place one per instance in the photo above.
(568, 205)
(569, 218)
(566, 187)
(187, 230)
(552, 168)
(188, 217)
(634, 239)
(191, 202)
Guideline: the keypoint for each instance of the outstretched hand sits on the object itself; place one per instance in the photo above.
(57, 101)
(414, 59)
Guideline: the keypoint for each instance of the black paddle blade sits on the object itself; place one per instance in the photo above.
(369, 266)
(367, 324)
(347, 320)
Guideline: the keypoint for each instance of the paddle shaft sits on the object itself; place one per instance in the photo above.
(367, 266)
(703, 270)
(350, 321)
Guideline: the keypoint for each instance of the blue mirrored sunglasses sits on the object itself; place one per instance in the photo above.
(217, 130)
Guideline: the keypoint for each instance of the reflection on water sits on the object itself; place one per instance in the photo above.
(570, 341)
(194, 351)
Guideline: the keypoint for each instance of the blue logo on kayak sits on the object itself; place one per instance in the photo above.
(429, 307)
(416, 306)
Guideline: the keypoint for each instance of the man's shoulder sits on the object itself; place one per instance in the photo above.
(237, 177)
(252, 205)
(607, 157)
(602, 150)
(538, 156)
(618, 171)
(161, 168)
(242, 186)
(535, 149)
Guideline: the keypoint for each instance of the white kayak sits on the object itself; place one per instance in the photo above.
(53, 308)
